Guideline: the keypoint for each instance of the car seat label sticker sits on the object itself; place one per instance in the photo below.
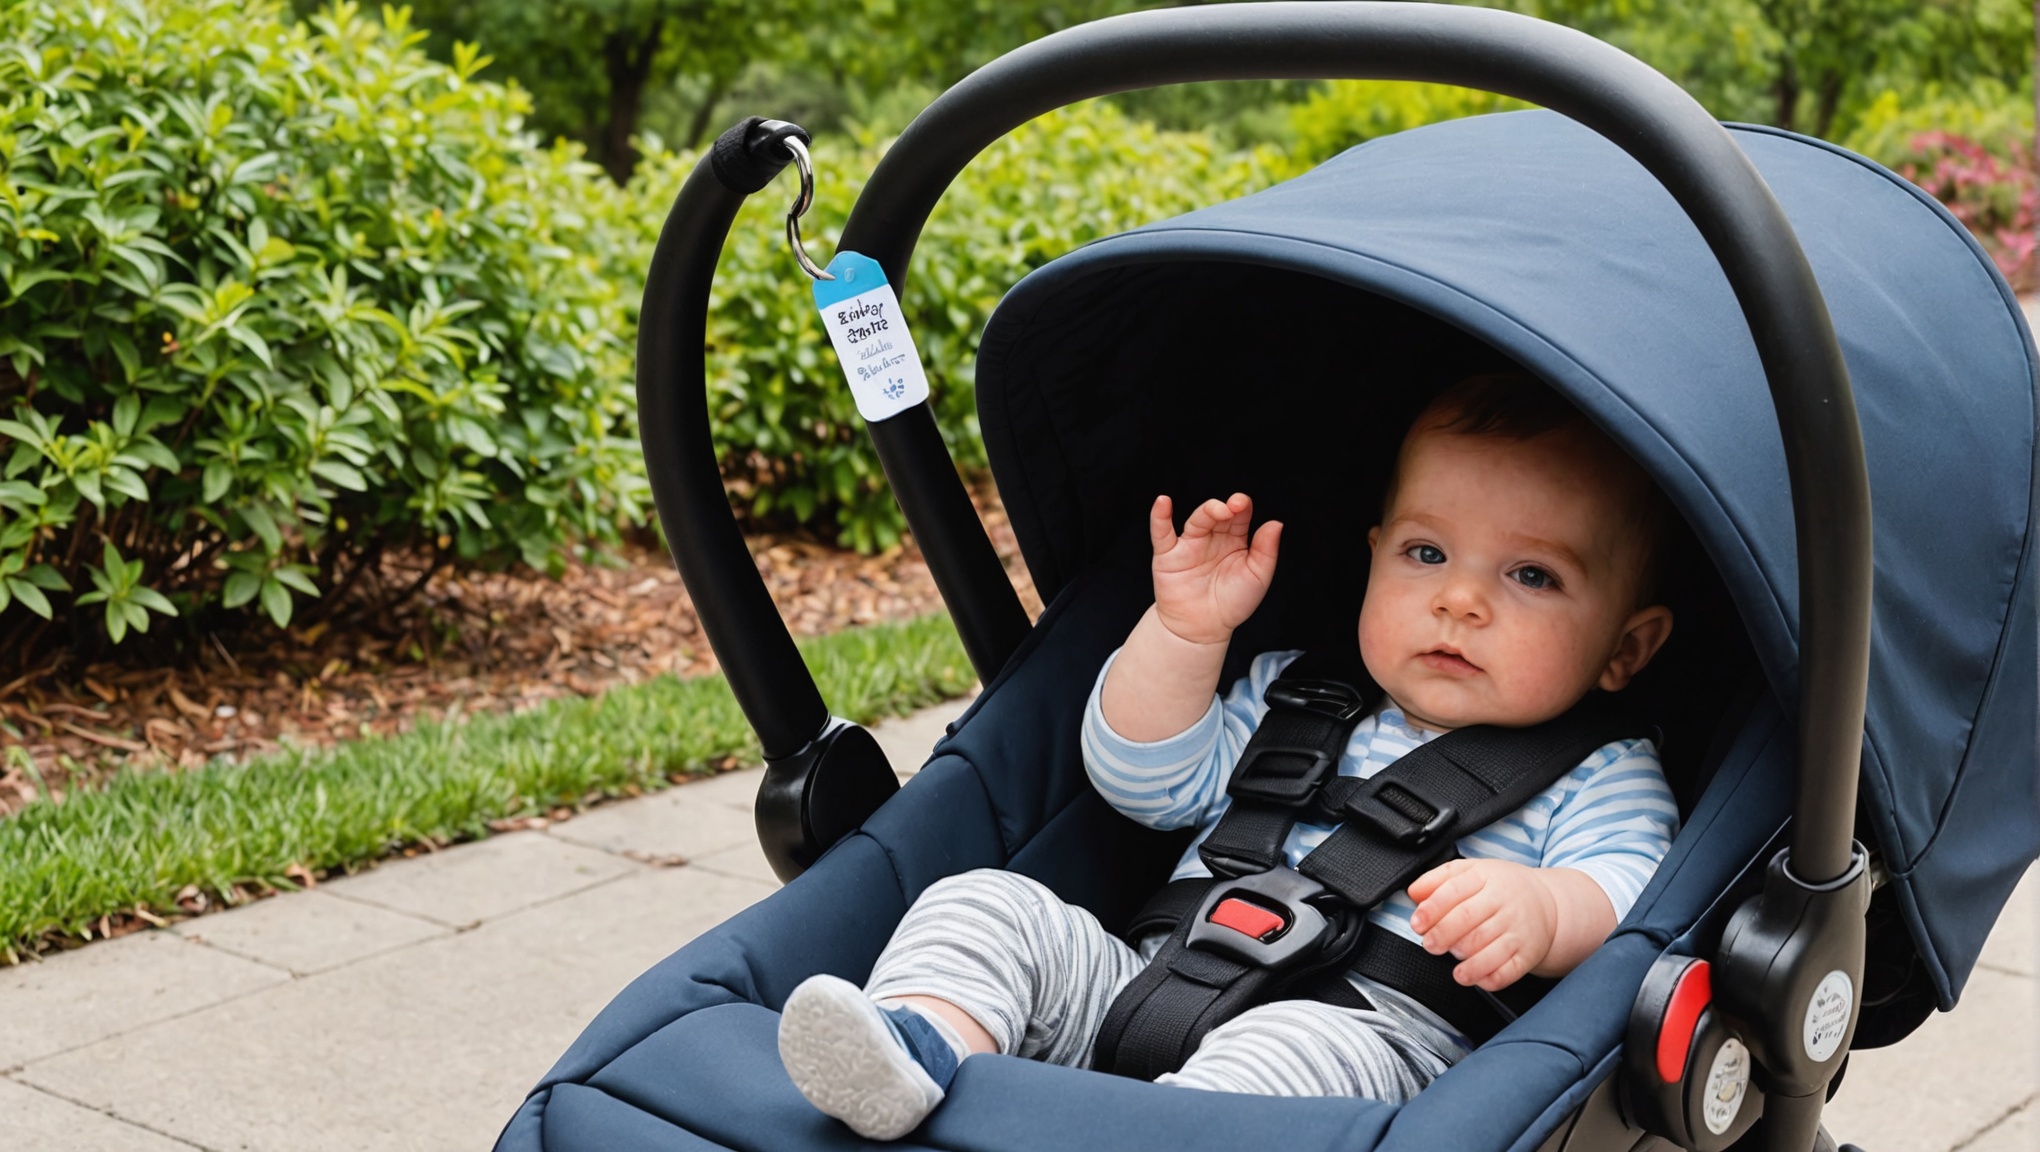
(864, 322)
(1728, 1080)
(1827, 1015)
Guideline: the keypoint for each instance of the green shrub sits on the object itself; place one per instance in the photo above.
(1348, 112)
(278, 297)
(791, 442)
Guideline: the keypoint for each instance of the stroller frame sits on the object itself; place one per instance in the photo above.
(825, 776)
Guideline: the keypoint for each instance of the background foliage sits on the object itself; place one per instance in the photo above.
(279, 297)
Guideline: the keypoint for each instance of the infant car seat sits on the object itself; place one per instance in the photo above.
(1658, 269)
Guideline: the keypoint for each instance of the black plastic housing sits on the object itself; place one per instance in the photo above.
(818, 795)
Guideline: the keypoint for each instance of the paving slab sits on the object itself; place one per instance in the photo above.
(33, 1119)
(428, 1047)
(686, 821)
(2015, 943)
(308, 932)
(2015, 1133)
(78, 998)
(1959, 1074)
(744, 861)
(469, 883)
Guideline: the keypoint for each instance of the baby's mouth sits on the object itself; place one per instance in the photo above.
(1447, 660)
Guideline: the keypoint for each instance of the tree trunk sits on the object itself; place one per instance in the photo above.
(628, 55)
(718, 87)
(1829, 103)
(1786, 90)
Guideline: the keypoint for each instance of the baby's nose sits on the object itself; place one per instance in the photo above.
(1463, 599)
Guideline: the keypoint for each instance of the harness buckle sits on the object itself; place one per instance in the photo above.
(1331, 699)
(1400, 813)
(1263, 919)
(1252, 782)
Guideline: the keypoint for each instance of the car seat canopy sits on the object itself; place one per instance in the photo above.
(1279, 343)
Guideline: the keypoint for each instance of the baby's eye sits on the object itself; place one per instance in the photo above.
(1531, 576)
(1426, 554)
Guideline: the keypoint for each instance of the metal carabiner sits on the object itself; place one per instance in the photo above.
(806, 165)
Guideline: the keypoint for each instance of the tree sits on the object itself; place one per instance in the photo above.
(1810, 65)
(589, 63)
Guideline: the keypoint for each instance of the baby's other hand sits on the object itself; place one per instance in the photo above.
(1496, 918)
(1211, 578)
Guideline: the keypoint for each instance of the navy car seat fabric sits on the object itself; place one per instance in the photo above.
(1550, 244)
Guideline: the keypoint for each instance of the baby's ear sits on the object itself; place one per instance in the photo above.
(1643, 634)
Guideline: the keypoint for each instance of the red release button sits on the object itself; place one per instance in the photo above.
(1694, 991)
(1250, 919)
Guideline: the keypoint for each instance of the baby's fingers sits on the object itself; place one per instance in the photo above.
(1209, 517)
(1162, 524)
(1494, 967)
(1442, 889)
(1448, 931)
(1261, 554)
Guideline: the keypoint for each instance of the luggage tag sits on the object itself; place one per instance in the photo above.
(863, 317)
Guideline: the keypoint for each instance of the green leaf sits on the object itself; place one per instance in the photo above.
(87, 484)
(124, 351)
(22, 492)
(240, 588)
(296, 578)
(126, 411)
(116, 620)
(31, 597)
(151, 599)
(219, 476)
(251, 340)
(345, 475)
(44, 576)
(152, 451)
(259, 521)
(276, 602)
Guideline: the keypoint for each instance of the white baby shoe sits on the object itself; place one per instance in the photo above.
(879, 1070)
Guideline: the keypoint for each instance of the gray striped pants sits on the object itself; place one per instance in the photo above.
(1039, 975)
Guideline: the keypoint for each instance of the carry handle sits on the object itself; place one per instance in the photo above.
(1602, 87)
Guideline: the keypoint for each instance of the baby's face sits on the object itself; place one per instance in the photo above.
(1504, 581)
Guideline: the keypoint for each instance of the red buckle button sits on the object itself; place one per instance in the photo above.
(1692, 994)
(1248, 919)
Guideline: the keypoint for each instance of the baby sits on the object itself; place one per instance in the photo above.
(1512, 573)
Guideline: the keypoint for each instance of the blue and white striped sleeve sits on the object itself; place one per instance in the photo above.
(1179, 781)
(1618, 823)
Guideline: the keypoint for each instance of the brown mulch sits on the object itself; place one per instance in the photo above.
(469, 642)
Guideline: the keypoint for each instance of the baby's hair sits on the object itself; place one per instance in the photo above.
(1510, 405)
(1517, 406)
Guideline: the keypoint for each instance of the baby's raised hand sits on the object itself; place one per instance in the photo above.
(1211, 578)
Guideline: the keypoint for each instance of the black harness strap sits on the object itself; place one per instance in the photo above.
(1313, 708)
(1392, 827)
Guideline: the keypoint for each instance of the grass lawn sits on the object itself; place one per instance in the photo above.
(137, 842)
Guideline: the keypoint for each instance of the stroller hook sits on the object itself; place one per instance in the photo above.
(801, 160)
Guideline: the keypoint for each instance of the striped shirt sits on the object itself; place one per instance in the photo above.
(1612, 817)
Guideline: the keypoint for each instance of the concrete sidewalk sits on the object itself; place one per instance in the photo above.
(412, 1006)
